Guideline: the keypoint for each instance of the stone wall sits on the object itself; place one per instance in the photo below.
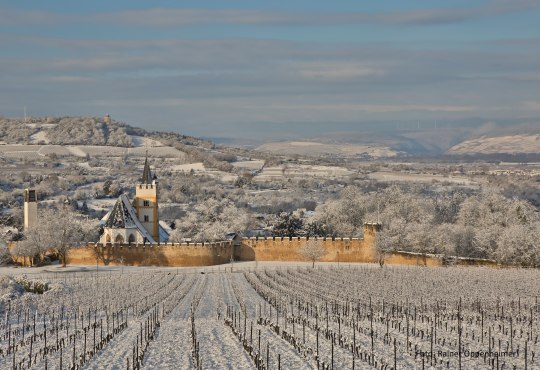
(152, 255)
(288, 249)
(249, 249)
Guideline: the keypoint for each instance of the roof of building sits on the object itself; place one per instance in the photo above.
(124, 216)
(147, 173)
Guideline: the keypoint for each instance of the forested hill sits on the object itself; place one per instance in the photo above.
(84, 131)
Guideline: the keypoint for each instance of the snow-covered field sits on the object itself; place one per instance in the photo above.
(253, 165)
(387, 176)
(146, 142)
(201, 169)
(301, 171)
(268, 315)
(37, 151)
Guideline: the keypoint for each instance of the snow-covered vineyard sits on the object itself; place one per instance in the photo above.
(271, 317)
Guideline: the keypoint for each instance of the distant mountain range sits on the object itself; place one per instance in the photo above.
(473, 136)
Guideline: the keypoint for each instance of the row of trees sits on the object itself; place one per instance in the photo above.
(484, 225)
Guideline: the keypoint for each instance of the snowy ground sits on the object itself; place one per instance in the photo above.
(285, 315)
(387, 176)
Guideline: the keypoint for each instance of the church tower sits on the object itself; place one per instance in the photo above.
(30, 209)
(146, 201)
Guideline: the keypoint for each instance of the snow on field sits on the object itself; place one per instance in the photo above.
(200, 168)
(144, 141)
(29, 155)
(76, 151)
(35, 151)
(42, 125)
(197, 167)
(411, 177)
(38, 137)
(157, 151)
(222, 175)
(101, 204)
(330, 316)
(301, 171)
(253, 165)
(56, 149)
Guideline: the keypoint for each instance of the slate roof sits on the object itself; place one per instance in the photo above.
(147, 173)
(124, 216)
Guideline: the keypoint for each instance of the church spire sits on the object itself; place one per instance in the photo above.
(147, 174)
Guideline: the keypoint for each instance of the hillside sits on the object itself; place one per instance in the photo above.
(86, 131)
(510, 144)
(468, 137)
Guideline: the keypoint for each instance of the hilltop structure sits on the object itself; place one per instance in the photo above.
(137, 221)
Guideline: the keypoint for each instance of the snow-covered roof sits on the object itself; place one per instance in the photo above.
(124, 216)
(164, 231)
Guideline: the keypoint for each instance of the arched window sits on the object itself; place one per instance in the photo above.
(131, 238)
(119, 239)
(107, 239)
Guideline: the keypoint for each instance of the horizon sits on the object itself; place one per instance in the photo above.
(212, 70)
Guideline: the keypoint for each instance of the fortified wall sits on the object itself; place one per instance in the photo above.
(247, 249)
(170, 254)
(288, 248)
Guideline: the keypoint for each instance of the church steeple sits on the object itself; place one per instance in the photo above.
(147, 174)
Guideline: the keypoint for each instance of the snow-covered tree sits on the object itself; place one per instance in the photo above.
(518, 244)
(5, 256)
(57, 231)
(289, 225)
(210, 221)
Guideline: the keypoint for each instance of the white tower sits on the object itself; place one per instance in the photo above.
(30, 209)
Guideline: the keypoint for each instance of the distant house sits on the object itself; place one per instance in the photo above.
(235, 238)
(259, 232)
(137, 221)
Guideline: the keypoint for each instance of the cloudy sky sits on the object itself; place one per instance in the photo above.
(215, 68)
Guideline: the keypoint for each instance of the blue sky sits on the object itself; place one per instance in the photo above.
(209, 67)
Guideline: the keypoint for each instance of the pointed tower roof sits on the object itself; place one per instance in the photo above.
(147, 174)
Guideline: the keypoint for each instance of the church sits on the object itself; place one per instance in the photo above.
(136, 222)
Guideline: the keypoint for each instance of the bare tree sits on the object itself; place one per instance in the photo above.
(383, 244)
(313, 251)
